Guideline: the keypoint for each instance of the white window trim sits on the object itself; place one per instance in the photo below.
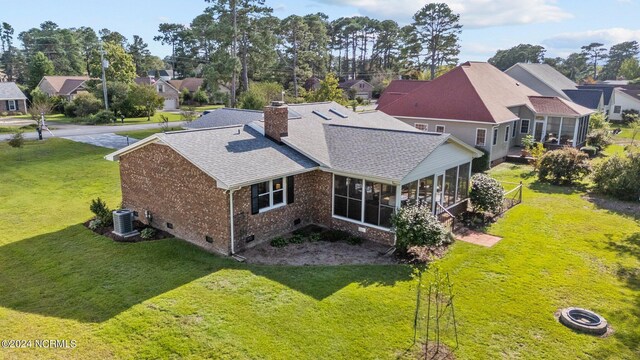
(506, 133)
(528, 126)
(619, 109)
(514, 131)
(426, 126)
(485, 137)
(284, 196)
(495, 132)
(12, 105)
(444, 129)
(364, 180)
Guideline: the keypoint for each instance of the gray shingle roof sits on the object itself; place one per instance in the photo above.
(585, 97)
(549, 75)
(236, 155)
(227, 116)
(388, 154)
(11, 91)
(369, 143)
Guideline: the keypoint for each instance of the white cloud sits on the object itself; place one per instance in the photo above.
(574, 40)
(474, 13)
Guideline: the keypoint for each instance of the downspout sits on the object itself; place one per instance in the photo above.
(231, 219)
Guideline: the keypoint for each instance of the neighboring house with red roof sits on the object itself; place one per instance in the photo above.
(65, 86)
(624, 98)
(164, 88)
(361, 88)
(488, 109)
(398, 89)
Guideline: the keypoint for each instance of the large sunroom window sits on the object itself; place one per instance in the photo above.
(351, 193)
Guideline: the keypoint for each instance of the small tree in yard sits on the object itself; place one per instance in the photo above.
(415, 225)
(188, 114)
(164, 122)
(598, 121)
(564, 166)
(486, 195)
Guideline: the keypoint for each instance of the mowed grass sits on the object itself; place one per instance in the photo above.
(61, 119)
(168, 299)
(141, 134)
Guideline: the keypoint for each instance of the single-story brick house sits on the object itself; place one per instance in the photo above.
(230, 187)
(12, 99)
(488, 109)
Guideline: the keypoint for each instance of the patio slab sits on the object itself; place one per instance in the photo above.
(477, 238)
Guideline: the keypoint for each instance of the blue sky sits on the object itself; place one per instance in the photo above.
(561, 26)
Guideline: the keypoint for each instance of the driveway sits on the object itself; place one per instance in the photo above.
(109, 140)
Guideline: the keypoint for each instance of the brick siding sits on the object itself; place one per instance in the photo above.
(158, 179)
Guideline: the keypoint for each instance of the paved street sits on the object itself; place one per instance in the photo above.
(71, 130)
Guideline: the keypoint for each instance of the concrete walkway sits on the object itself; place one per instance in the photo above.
(109, 140)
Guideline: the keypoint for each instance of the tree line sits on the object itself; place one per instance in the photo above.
(237, 42)
(593, 61)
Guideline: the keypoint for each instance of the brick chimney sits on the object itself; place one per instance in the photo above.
(276, 121)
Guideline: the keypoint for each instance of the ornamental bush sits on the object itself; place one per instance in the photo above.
(17, 139)
(486, 195)
(415, 225)
(619, 176)
(148, 233)
(102, 212)
(564, 166)
(599, 139)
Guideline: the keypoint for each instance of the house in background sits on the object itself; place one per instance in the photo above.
(488, 109)
(65, 86)
(12, 99)
(547, 81)
(164, 88)
(361, 88)
(624, 98)
(231, 187)
(191, 84)
(163, 74)
(607, 92)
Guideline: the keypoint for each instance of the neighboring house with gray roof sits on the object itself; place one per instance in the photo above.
(12, 99)
(229, 116)
(65, 86)
(547, 81)
(258, 175)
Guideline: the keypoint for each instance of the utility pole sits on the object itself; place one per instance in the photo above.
(103, 65)
(235, 35)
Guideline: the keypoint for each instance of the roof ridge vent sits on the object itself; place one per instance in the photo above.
(344, 116)
(321, 115)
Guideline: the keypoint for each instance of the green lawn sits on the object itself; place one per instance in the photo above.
(141, 134)
(208, 107)
(61, 119)
(168, 299)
